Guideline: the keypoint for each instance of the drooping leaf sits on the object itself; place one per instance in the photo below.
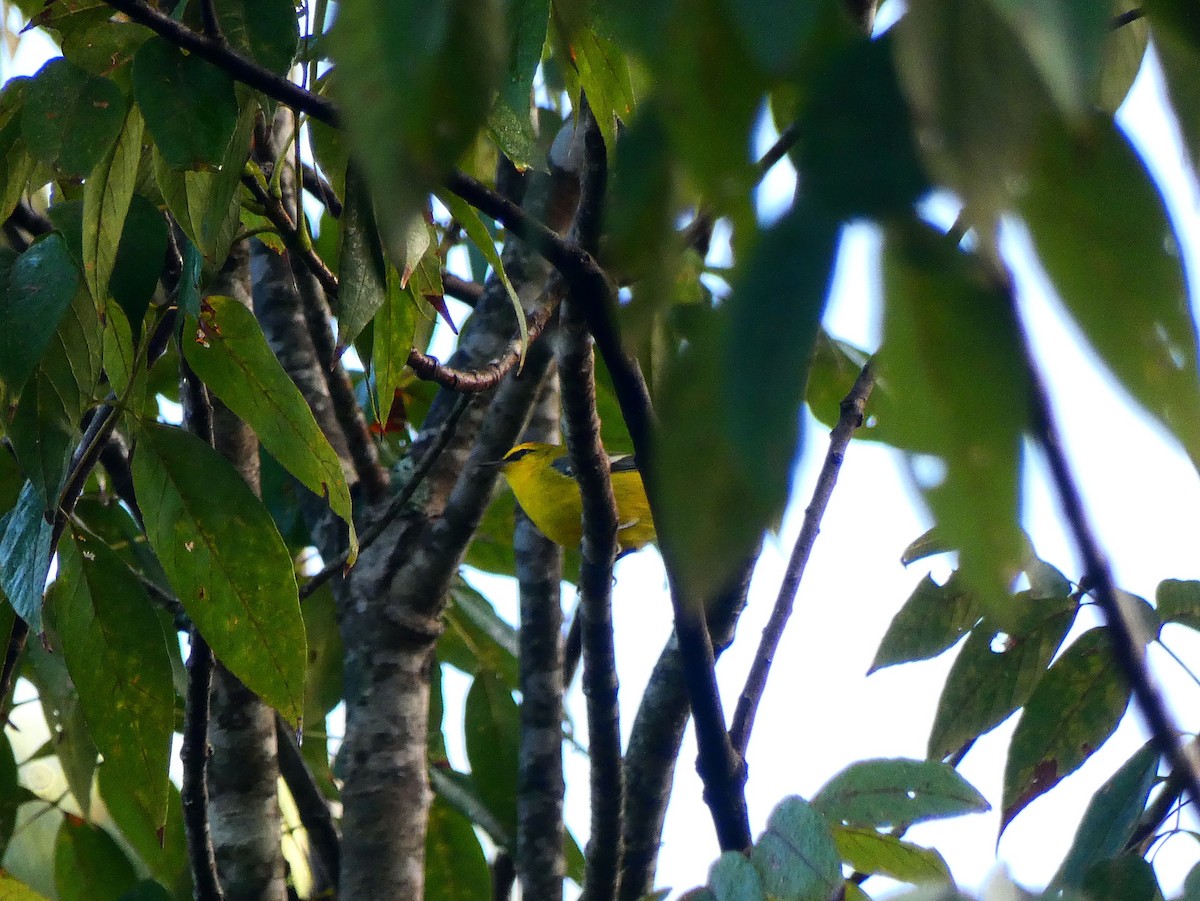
(362, 285)
(41, 284)
(458, 790)
(165, 853)
(510, 117)
(25, 555)
(106, 198)
(734, 878)
(492, 728)
(953, 358)
(116, 653)
(932, 619)
(874, 852)
(231, 355)
(12, 793)
(70, 118)
(323, 684)
(1110, 819)
(996, 671)
(89, 865)
(139, 260)
(16, 163)
(479, 638)
(796, 856)
(455, 868)
(189, 105)
(267, 31)
(229, 567)
(879, 793)
(593, 66)
(1102, 232)
(392, 337)
(1072, 712)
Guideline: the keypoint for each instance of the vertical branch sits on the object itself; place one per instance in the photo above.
(850, 419)
(540, 783)
(590, 462)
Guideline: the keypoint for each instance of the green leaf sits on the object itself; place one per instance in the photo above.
(89, 865)
(1111, 817)
(488, 643)
(163, 853)
(773, 318)
(104, 46)
(392, 339)
(1103, 234)
(362, 285)
(795, 856)
(492, 727)
(267, 31)
(996, 671)
(776, 31)
(1180, 61)
(323, 684)
(189, 105)
(458, 790)
(881, 793)
(146, 890)
(41, 284)
(464, 214)
(868, 851)
(106, 198)
(953, 358)
(859, 156)
(25, 555)
(933, 619)
(1124, 50)
(1072, 712)
(12, 794)
(139, 260)
(71, 118)
(16, 164)
(455, 868)
(415, 83)
(116, 653)
(231, 356)
(733, 878)
(13, 889)
(1178, 602)
(1128, 877)
(229, 567)
(593, 65)
(510, 117)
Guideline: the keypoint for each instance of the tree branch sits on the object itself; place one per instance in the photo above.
(310, 803)
(194, 755)
(851, 418)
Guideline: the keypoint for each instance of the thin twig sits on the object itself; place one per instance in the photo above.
(310, 804)
(1122, 19)
(212, 27)
(194, 756)
(756, 682)
(316, 184)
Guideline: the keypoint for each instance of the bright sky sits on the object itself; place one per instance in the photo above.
(820, 711)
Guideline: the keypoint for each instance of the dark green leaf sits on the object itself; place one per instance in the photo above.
(1178, 602)
(932, 619)
(868, 851)
(189, 105)
(1125, 878)
(458, 790)
(795, 856)
(1180, 61)
(231, 355)
(1110, 818)
(492, 728)
(859, 156)
(1072, 712)
(106, 198)
(89, 865)
(12, 794)
(363, 273)
(116, 653)
(104, 46)
(996, 672)
(733, 878)
(881, 793)
(146, 890)
(1103, 234)
(41, 284)
(25, 555)
(775, 31)
(139, 260)
(455, 868)
(229, 567)
(392, 339)
(71, 118)
(323, 685)
(953, 358)
(267, 31)
(164, 853)
(485, 641)
(527, 21)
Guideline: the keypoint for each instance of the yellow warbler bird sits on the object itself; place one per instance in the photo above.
(541, 477)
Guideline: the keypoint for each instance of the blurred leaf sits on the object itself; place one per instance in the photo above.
(267, 31)
(868, 851)
(116, 653)
(70, 118)
(953, 358)
(226, 561)
(106, 198)
(1072, 712)
(859, 156)
(89, 865)
(933, 619)
(146, 890)
(415, 82)
(594, 66)
(1124, 50)
(163, 854)
(1180, 61)
(25, 555)
(1103, 234)
(1128, 877)
(12, 889)
(12, 794)
(996, 672)
(491, 726)
(41, 285)
(776, 31)
(639, 207)
(455, 868)
(1111, 817)
(795, 856)
(510, 117)
(458, 790)
(733, 878)
(231, 355)
(489, 643)
(1178, 602)
(879, 793)
(189, 104)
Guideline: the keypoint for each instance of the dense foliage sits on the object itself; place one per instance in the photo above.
(229, 205)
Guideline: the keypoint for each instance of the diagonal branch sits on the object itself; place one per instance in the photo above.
(851, 418)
